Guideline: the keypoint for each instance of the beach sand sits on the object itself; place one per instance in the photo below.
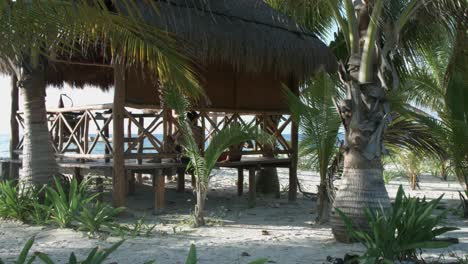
(277, 230)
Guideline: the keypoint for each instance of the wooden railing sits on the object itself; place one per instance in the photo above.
(84, 132)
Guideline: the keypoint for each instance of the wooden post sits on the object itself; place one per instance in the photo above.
(131, 182)
(86, 135)
(139, 176)
(77, 174)
(106, 134)
(240, 181)
(119, 191)
(252, 188)
(14, 130)
(100, 188)
(292, 194)
(159, 191)
(180, 180)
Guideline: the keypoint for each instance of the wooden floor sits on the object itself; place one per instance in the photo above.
(158, 171)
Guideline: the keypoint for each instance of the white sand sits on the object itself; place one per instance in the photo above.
(236, 235)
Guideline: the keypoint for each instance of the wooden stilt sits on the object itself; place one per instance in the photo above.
(77, 175)
(118, 112)
(100, 188)
(106, 134)
(180, 180)
(131, 183)
(14, 130)
(159, 192)
(139, 176)
(252, 188)
(240, 181)
(292, 194)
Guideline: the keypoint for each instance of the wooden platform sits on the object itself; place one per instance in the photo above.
(159, 170)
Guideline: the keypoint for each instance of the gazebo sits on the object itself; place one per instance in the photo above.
(244, 52)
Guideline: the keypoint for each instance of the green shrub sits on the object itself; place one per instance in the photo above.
(95, 217)
(138, 228)
(65, 206)
(17, 202)
(192, 257)
(95, 256)
(397, 233)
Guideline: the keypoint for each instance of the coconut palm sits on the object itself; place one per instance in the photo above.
(378, 35)
(33, 33)
(203, 164)
(319, 124)
(438, 81)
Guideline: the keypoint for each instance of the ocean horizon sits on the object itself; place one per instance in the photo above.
(99, 149)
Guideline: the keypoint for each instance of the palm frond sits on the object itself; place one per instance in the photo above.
(318, 119)
(233, 134)
(51, 29)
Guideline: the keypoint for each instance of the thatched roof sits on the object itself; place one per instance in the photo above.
(245, 51)
(247, 34)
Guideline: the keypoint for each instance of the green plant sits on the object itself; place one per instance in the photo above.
(97, 216)
(65, 206)
(319, 125)
(23, 256)
(95, 256)
(18, 201)
(139, 228)
(192, 257)
(397, 233)
(203, 164)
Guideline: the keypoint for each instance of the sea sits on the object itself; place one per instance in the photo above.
(99, 149)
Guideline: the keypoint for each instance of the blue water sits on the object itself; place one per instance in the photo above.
(100, 146)
(99, 149)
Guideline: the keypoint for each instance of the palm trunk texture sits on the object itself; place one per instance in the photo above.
(364, 113)
(39, 165)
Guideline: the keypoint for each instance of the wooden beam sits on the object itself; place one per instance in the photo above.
(14, 129)
(292, 194)
(240, 181)
(252, 188)
(180, 180)
(119, 191)
(159, 192)
(141, 141)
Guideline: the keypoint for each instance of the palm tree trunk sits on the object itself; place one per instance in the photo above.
(323, 204)
(362, 187)
(365, 113)
(39, 165)
(199, 213)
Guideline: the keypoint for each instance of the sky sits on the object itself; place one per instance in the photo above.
(86, 96)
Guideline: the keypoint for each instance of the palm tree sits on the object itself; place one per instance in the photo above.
(32, 33)
(377, 35)
(203, 164)
(439, 83)
(319, 125)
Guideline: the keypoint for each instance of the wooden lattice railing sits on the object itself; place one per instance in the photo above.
(84, 132)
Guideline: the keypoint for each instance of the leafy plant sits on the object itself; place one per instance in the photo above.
(319, 125)
(139, 228)
(411, 163)
(65, 206)
(17, 202)
(192, 257)
(464, 203)
(96, 216)
(95, 256)
(397, 233)
(23, 256)
(203, 164)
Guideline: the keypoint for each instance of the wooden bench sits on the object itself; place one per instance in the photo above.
(158, 181)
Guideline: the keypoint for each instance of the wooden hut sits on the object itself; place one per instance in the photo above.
(243, 50)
